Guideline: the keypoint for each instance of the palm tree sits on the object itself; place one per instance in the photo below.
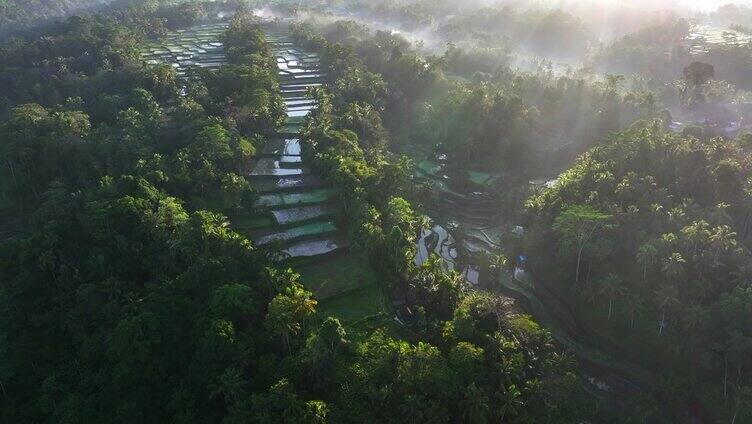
(675, 215)
(696, 233)
(633, 306)
(305, 305)
(229, 385)
(673, 266)
(501, 307)
(720, 214)
(693, 318)
(666, 298)
(590, 293)
(739, 344)
(722, 350)
(277, 281)
(511, 401)
(397, 236)
(612, 288)
(647, 102)
(613, 82)
(475, 405)
(288, 311)
(666, 243)
(722, 239)
(672, 388)
(742, 401)
(656, 209)
(647, 256)
(280, 320)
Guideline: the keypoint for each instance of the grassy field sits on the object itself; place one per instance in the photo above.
(345, 285)
(344, 272)
(355, 305)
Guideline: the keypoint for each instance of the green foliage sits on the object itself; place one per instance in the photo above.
(125, 296)
(681, 249)
(246, 89)
(136, 305)
(288, 312)
(578, 226)
(383, 224)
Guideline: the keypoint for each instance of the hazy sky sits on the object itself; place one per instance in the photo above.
(704, 5)
(707, 5)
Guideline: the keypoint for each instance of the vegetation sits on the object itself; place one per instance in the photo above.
(660, 222)
(129, 291)
(126, 296)
(517, 119)
(17, 14)
(632, 196)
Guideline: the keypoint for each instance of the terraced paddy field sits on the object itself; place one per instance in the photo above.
(468, 223)
(702, 36)
(294, 182)
(196, 46)
(283, 199)
(297, 212)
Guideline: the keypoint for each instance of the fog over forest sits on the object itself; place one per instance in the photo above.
(387, 211)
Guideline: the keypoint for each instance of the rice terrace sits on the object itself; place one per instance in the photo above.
(507, 211)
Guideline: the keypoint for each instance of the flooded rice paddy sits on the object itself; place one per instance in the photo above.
(199, 46)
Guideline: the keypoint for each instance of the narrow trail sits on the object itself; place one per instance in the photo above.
(616, 381)
(475, 226)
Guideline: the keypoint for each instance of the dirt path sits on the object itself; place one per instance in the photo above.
(617, 382)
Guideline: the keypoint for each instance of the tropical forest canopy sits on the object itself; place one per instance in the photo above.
(390, 211)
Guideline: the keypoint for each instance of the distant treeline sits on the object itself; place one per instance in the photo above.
(20, 14)
(26, 17)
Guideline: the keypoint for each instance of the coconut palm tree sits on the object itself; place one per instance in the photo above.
(673, 266)
(475, 405)
(590, 293)
(511, 401)
(634, 306)
(288, 311)
(667, 242)
(647, 256)
(722, 239)
(696, 234)
(722, 350)
(676, 215)
(230, 385)
(693, 317)
(612, 287)
(742, 401)
(720, 214)
(666, 298)
(277, 281)
(739, 344)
